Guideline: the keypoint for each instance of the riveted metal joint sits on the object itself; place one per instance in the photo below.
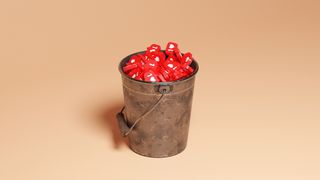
(164, 89)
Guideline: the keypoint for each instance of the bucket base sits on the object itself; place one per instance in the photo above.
(153, 156)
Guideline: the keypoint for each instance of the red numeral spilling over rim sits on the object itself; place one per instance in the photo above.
(155, 65)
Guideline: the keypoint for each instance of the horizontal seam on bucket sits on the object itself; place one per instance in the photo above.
(139, 92)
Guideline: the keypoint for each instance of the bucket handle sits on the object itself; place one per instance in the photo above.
(125, 130)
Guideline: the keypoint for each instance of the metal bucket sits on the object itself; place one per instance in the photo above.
(156, 115)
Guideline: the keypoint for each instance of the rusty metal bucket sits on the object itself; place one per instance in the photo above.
(156, 115)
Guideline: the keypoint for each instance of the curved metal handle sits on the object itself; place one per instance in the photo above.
(122, 123)
(125, 130)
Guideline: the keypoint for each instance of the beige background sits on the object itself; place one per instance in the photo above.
(256, 103)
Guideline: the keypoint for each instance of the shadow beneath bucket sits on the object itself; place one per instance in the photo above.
(107, 119)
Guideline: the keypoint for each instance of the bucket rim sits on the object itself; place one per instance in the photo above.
(194, 62)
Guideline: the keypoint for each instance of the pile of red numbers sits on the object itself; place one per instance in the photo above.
(156, 65)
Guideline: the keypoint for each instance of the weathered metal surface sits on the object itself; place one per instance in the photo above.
(163, 131)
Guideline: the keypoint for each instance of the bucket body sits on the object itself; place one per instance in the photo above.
(163, 130)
